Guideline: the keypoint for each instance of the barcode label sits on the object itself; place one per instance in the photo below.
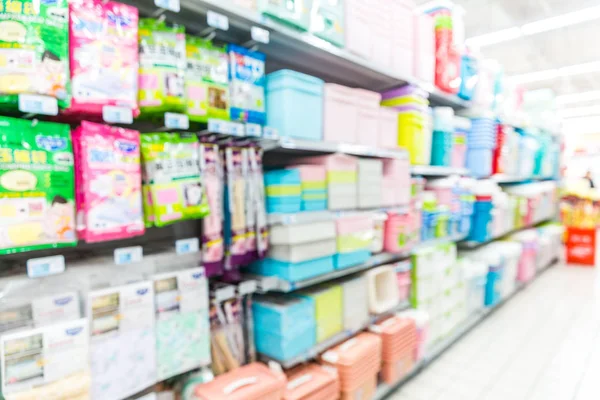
(253, 130)
(186, 246)
(260, 35)
(37, 104)
(117, 115)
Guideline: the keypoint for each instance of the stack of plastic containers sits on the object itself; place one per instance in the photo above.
(527, 265)
(482, 211)
(412, 106)
(327, 302)
(354, 239)
(356, 303)
(284, 327)
(284, 191)
(469, 75)
(370, 183)
(358, 361)
(402, 269)
(400, 231)
(475, 276)
(295, 104)
(424, 63)
(396, 182)
(383, 289)
(447, 57)
(527, 151)
(254, 381)
(430, 213)
(342, 179)
(501, 149)
(399, 339)
(421, 319)
(299, 252)
(482, 141)
(313, 182)
(443, 136)
(312, 382)
(462, 127)
(402, 29)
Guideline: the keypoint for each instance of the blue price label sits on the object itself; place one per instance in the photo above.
(44, 266)
(186, 246)
(253, 130)
(270, 133)
(37, 104)
(218, 21)
(128, 255)
(117, 115)
(217, 126)
(171, 5)
(177, 121)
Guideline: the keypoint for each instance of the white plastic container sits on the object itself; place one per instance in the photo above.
(383, 289)
(356, 303)
(303, 252)
(302, 233)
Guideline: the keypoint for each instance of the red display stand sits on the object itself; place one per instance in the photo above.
(581, 246)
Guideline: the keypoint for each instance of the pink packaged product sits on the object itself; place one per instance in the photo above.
(108, 181)
(211, 170)
(257, 239)
(367, 104)
(103, 39)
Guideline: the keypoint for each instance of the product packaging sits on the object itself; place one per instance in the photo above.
(172, 187)
(258, 204)
(235, 210)
(206, 80)
(182, 325)
(34, 39)
(227, 336)
(123, 341)
(37, 205)
(108, 177)
(162, 67)
(246, 84)
(211, 170)
(103, 56)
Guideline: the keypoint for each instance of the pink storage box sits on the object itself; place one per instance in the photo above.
(458, 158)
(367, 104)
(339, 114)
(404, 282)
(311, 173)
(251, 382)
(388, 128)
(347, 225)
(333, 162)
(358, 28)
(424, 60)
(397, 232)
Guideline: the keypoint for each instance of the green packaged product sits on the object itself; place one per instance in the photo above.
(206, 80)
(172, 186)
(162, 67)
(37, 186)
(34, 50)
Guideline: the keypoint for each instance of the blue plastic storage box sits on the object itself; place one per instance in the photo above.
(352, 259)
(293, 272)
(295, 104)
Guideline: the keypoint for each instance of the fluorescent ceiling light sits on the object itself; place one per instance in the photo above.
(532, 28)
(549, 74)
(578, 97)
(580, 112)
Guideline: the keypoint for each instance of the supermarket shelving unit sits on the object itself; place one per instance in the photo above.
(473, 244)
(435, 171)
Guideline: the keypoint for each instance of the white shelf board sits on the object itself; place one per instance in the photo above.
(431, 170)
(508, 179)
(306, 217)
(295, 49)
(309, 146)
(334, 340)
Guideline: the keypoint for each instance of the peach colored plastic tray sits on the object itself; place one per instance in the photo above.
(311, 381)
(251, 382)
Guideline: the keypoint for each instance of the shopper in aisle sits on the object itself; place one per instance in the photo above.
(588, 177)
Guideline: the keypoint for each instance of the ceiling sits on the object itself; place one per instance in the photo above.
(563, 47)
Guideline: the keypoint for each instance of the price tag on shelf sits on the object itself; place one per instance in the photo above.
(185, 246)
(37, 104)
(236, 129)
(218, 126)
(218, 21)
(128, 255)
(177, 121)
(260, 35)
(253, 130)
(171, 5)
(44, 266)
(224, 292)
(247, 287)
(117, 115)
(270, 133)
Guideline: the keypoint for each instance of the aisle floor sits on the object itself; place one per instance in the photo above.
(543, 344)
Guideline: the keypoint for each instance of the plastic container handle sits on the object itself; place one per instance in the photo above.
(232, 387)
(299, 381)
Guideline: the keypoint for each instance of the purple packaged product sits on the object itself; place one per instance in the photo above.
(211, 170)
(262, 229)
(407, 90)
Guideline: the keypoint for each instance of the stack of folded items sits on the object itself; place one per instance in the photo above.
(370, 183)
(314, 187)
(342, 177)
(284, 191)
(312, 382)
(327, 301)
(354, 240)
(399, 340)
(299, 251)
(358, 362)
(284, 326)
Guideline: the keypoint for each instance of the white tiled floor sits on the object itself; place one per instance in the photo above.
(544, 344)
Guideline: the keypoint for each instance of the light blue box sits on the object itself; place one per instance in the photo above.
(295, 104)
(283, 348)
(352, 259)
(293, 272)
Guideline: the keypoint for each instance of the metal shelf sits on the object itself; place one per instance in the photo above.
(385, 390)
(295, 49)
(295, 146)
(507, 179)
(433, 171)
(306, 217)
(473, 244)
(333, 341)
